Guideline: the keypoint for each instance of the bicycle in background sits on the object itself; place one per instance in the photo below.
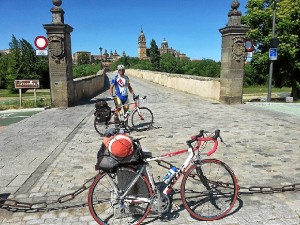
(136, 118)
(127, 195)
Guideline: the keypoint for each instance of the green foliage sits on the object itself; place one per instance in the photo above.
(3, 70)
(85, 70)
(22, 63)
(259, 18)
(204, 67)
(170, 64)
(154, 55)
(143, 65)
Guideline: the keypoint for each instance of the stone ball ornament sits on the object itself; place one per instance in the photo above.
(235, 4)
(57, 2)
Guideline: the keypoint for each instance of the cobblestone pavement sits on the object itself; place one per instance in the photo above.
(53, 153)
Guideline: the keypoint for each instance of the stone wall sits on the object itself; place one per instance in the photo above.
(205, 87)
(90, 86)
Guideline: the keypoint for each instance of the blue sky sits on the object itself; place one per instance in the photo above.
(189, 26)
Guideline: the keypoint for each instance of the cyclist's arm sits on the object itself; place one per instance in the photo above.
(130, 89)
(111, 89)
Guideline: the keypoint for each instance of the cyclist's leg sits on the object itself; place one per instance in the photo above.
(142, 119)
(105, 204)
(119, 108)
(209, 190)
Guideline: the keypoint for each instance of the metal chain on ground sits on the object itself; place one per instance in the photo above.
(43, 205)
(268, 189)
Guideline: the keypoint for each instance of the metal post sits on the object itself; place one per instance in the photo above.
(271, 63)
(20, 94)
(100, 56)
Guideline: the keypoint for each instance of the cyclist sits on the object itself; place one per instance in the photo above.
(121, 84)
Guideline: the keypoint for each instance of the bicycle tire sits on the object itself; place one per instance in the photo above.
(101, 127)
(204, 204)
(106, 208)
(142, 119)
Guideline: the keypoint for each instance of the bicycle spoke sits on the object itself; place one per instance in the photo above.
(209, 190)
(106, 205)
(142, 119)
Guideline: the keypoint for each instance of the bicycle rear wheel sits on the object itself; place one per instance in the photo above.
(209, 190)
(105, 204)
(101, 127)
(142, 119)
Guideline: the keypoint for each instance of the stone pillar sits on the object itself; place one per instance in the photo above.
(233, 57)
(60, 58)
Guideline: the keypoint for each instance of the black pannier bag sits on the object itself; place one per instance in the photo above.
(103, 112)
(109, 163)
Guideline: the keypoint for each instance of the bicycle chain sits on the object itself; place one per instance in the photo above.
(43, 206)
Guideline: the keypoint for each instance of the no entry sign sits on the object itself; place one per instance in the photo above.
(41, 42)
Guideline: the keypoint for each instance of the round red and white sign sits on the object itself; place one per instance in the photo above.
(41, 42)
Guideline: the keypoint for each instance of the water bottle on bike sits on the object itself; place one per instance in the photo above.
(171, 173)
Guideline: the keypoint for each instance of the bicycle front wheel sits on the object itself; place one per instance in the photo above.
(142, 119)
(209, 190)
(105, 204)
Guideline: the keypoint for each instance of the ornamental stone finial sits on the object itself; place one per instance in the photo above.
(57, 12)
(235, 4)
(234, 9)
(57, 3)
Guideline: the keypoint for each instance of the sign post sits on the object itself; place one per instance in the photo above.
(27, 84)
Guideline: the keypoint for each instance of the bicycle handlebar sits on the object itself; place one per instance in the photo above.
(135, 98)
(200, 137)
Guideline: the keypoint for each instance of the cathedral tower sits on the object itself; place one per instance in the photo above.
(142, 54)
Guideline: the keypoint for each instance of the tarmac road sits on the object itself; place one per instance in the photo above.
(52, 153)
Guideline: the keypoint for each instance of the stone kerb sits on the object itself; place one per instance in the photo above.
(205, 87)
(90, 86)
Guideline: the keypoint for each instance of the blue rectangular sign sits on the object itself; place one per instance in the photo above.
(273, 53)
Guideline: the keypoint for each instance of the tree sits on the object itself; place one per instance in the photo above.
(170, 64)
(14, 63)
(204, 67)
(154, 55)
(22, 63)
(3, 70)
(259, 18)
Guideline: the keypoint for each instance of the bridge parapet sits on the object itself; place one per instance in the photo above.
(205, 87)
(90, 86)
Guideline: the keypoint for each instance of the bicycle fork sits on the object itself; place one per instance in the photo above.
(204, 181)
(140, 114)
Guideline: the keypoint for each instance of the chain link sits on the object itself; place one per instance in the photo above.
(43, 205)
(269, 190)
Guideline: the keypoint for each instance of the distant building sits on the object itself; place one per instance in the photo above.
(144, 52)
(76, 54)
(106, 58)
(4, 52)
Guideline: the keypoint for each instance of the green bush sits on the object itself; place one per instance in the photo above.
(85, 70)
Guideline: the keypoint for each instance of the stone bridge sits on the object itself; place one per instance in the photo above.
(53, 153)
(67, 92)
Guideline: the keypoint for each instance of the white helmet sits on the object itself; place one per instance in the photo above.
(121, 67)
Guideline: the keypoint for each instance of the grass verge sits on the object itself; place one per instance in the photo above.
(12, 101)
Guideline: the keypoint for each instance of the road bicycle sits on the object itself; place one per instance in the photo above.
(136, 118)
(208, 188)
